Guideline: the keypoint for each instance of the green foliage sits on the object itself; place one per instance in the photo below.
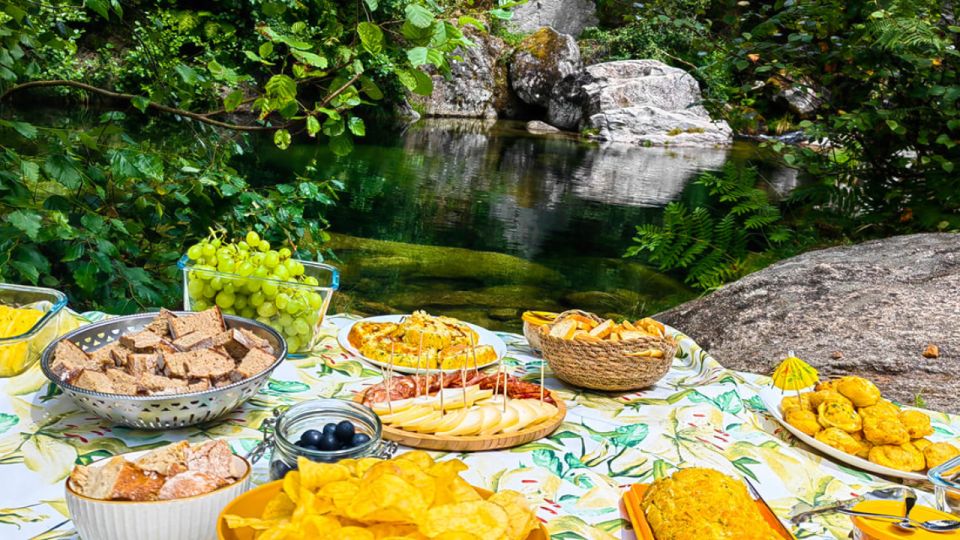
(889, 76)
(105, 216)
(713, 245)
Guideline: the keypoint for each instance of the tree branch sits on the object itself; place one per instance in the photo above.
(153, 105)
(336, 92)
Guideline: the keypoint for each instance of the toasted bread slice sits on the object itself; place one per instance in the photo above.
(256, 361)
(123, 382)
(142, 341)
(209, 364)
(194, 341)
(209, 322)
(564, 329)
(169, 460)
(94, 380)
(603, 329)
(69, 361)
(161, 325)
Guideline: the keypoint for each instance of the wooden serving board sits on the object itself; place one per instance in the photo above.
(476, 443)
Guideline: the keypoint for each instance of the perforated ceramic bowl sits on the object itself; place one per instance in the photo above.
(168, 411)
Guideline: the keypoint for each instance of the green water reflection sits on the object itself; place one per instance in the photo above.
(481, 220)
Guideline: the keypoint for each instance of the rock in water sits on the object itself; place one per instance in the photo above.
(567, 16)
(477, 86)
(536, 126)
(878, 303)
(636, 102)
(541, 60)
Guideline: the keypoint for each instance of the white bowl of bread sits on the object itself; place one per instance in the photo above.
(174, 492)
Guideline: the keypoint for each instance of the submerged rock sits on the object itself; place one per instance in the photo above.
(541, 60)
(869, 309)
(567, 16)
(636, 102)
(536, 126)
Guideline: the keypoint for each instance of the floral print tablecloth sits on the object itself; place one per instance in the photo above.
(699, 415)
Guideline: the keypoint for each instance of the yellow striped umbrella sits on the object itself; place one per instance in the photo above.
(794, 374)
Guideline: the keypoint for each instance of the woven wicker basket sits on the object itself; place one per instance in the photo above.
(603, 365)
(532, 333)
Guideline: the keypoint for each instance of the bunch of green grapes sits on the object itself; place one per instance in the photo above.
(281, 298)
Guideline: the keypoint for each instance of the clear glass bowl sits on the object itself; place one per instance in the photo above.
(314, 415)
(946, 484)
(19, 352)
(295, 310)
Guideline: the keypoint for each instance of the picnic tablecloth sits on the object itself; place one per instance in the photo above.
(700, 414)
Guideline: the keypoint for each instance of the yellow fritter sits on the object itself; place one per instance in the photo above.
(801, 402)
(803, 420)
(860, 391)
(703, 504)
(827, 385)
(939, 453)
(917, 423)
(839, 415)
(903, 457)
(880, 408)
(922, 444)
(885, 430)
(820, 396)
(839, 439)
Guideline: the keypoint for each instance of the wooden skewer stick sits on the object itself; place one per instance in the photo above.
(542, 362)
(505, 387)
(473, 349)
(386, 384)
(419, 355)
(443, 410)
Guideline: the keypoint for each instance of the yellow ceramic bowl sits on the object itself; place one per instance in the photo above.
(189, 518)
(251, 504)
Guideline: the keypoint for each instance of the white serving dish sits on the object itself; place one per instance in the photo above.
(190, 518)
(771, 398)
(484, 337)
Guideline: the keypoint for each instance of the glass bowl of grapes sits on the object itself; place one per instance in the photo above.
(250, 279)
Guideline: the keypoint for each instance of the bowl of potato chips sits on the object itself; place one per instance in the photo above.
(410, 496)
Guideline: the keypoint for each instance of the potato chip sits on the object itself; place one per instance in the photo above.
(388, 498)
(285, 531)
(291, 485)
(521, 519)
(314, 476)
(354, 533)
(456, 535)
(454, 490)
(383, 531)
(421, 458)
(362, 465)
(314, 526)
(235, 522)
(451, 467)
(281, 506)
(341, 494)
(410, 472)
(485, 520)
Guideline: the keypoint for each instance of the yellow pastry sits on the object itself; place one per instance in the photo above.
(839, 415)
(917, 423)
(839, 439)
(885, 430)
(817, 398)
(804, 420)
(903, 457)
(860, 391)
(801, 401)
(939, 453)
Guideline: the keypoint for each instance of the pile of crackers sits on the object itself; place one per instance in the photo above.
(170, 355)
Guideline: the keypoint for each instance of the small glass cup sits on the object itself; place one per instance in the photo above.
(946, 484)
(314, 415)
(295, 310)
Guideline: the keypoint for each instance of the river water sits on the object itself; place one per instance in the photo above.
(481, 220)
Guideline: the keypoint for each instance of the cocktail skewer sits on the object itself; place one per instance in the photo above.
(542, 362)
(443, 409)
(419, 355)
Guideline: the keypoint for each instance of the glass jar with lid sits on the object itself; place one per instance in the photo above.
(282, 434)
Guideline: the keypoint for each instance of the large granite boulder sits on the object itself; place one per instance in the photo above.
(869, 309)
(567, 16)
(541, 60)
(637, 102)
(478, 85)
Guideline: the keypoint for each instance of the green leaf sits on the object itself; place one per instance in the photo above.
(102, 7)
(310, 58)
(501, 14)
(424, 85)
(417, 57)
(232, 101)
(466, 20)
(407, 79)
(30, 170)
(187, 74)
(313, 126)
(7, 421)
(61, 168)
(357, 127)
(73, 252)
(371, 36)
(742, 465)
(86, 276)
(141, 103)
(27, 131)
(281, 87)
(341, 145)
(266, 49)
(27, 222)
(419, 16)
(370, 88)
(372, 5)
(282, 139)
